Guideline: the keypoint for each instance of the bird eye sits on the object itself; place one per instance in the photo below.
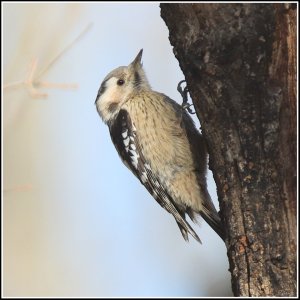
(120, 82)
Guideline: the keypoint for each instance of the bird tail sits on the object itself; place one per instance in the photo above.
(187, 229)
(211, 216)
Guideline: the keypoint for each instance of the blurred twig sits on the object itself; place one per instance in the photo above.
(57, 57)
(32, 80)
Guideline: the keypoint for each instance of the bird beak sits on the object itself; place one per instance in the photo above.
(137, 60)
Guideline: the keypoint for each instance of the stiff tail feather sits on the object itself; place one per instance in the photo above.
(187, 229)
(214, 222)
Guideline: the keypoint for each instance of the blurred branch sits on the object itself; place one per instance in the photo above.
(32, 81)
(56, 58)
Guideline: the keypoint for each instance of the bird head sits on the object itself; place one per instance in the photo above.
(119, 86)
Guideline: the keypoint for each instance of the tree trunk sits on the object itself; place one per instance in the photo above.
(239, 61)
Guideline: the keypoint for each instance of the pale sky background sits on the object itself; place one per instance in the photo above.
(76, 222)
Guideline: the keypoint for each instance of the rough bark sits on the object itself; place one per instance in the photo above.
(239, 61)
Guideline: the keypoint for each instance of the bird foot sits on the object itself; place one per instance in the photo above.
(184, 95)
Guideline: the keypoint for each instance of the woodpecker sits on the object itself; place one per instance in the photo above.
(158, 141)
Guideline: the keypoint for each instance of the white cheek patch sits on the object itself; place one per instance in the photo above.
(110, 96)
(109, 93)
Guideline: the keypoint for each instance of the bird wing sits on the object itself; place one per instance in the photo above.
(125, 138)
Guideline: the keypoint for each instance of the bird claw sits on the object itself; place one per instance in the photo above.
(184, 95)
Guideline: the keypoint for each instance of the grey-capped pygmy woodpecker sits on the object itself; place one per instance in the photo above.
(158, 141)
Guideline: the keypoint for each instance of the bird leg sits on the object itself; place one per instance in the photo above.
(184, 95)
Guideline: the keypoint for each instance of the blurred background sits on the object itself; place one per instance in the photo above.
(76, 222)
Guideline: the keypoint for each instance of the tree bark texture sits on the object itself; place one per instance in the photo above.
(239, 61)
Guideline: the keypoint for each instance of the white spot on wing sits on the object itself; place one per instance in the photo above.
(124, 134)
(144, 177)
(157, 183)
(134, 162)
(132, 147)
(134, 158)
(133, 153)
(126, 142)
